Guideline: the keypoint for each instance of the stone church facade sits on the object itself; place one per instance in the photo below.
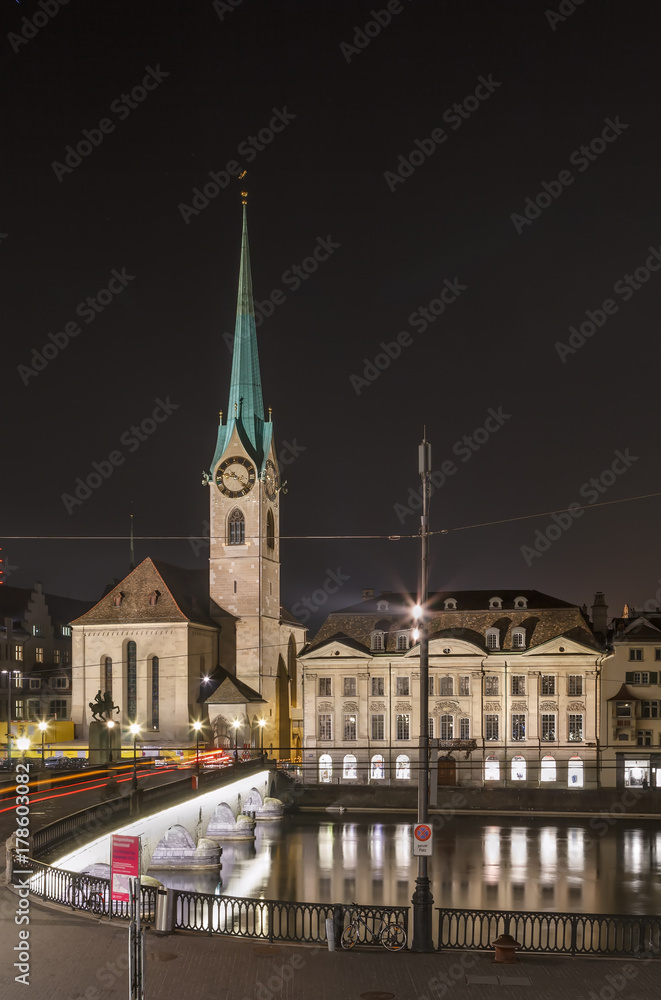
(175, 646)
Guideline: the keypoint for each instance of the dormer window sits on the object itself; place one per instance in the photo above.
(496, 603)
(377, 642)
(520, 602)
(382, 605)
(402, 641)
(450, 604)
(493, 638)
(117, 599)
(519, 639)
(153, 597)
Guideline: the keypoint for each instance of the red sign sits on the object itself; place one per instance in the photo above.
(422, 832)
(124, 863)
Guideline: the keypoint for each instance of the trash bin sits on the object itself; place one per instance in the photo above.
(164, 923)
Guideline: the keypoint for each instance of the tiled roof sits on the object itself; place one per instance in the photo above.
(545, 618)
(183, 595)
(232, 691)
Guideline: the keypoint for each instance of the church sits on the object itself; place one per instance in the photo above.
(176, 646)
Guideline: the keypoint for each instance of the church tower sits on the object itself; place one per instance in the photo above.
(244, 487)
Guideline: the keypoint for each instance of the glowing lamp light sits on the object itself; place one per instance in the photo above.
(134, 729)
(110, 723)
(417, 612)
(261, 722)
(416, 634)
(23, 743)
(197, 726)
(236, 723)
(43, 726)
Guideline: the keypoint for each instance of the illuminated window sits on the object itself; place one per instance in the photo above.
(325, 767)
(548, 684)
(491, 769)
(575, 773)
(575, 728)
(548, 771)
(402, 767)
(491, 685)
(57, 656)
(350, 727)
(548, 728)
(518, 727)
(446, 731)
(131, 680)
(377, 767)
(518, 639)
(350, 767)
(518, 768)
(18, 653)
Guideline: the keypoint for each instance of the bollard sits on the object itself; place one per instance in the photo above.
(330, 933)
(505, 947)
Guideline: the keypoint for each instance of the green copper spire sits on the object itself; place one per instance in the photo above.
(246, 406)
(246, 385)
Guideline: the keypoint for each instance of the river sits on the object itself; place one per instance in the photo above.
(478, 862)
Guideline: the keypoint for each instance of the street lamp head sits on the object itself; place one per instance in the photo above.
(236, 723)
(23, 743)
(134, 729)
(110, 723)
(197, 725)
(261, 722)
(417, 612)
(43, 726)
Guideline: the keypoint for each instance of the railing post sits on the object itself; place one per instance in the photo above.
(574, 934)
(338, 924)
(271, 923)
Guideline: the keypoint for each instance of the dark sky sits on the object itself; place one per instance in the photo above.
(353, 115)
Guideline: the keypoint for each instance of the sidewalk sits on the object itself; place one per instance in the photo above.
(79, 957)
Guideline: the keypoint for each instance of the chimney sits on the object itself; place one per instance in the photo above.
(600, 615)
(368, 595)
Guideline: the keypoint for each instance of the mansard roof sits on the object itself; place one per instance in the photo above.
(544, 618)
(182, 595)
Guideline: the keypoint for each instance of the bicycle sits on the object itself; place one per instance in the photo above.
(83, 897)
(391, 936)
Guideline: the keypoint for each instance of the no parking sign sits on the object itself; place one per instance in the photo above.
(422, 839)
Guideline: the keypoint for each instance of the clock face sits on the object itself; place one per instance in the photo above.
(235, 477)
(270, 480)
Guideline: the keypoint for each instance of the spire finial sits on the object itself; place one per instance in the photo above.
(244, 194)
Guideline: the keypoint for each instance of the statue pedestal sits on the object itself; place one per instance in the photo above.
(103, 742)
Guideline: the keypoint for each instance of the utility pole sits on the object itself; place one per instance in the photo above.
(9, 627)
(423, 900)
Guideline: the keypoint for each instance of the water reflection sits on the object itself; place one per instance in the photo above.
(476, 863)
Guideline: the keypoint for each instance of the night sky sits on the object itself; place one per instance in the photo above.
(350, 99)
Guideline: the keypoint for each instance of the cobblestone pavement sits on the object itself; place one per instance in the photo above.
(80, 957)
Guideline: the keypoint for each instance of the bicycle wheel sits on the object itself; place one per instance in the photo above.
(349, 936)
(393, 937)
(96, 902)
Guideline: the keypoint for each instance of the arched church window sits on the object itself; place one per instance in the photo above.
(131, 681)
(270, 530)
(236, 528)
(107, 671)
(155, 692)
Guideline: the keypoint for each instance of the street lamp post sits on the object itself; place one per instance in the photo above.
(110, 724)
(134, 729)
(261, 723)
(236, 725)
(9, 676)
(43, 726)
(197, 727)
(423, 900)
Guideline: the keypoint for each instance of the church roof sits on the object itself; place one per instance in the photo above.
(181, 595)
(232, 691)
(246, 406)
